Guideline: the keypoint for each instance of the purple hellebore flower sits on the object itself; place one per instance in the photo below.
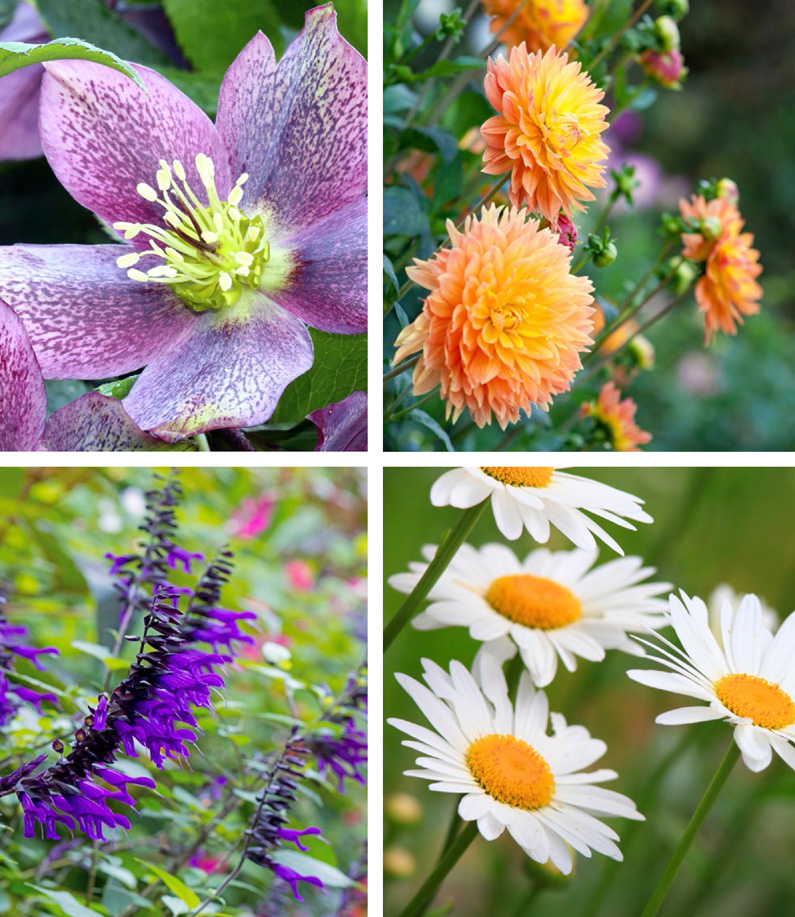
(91, 423)
(342, 426)
(19, 91)
(251, 229)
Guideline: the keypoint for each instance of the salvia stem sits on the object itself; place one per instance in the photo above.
(710, 795)
(444, 554)
(419, 903)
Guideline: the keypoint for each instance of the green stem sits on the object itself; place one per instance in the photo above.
(401, 368)
(419, 903)
(410, 408)
(528, 899)
(702, 810)
(452, 829)
(444, 554)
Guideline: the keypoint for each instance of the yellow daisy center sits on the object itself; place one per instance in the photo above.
(521, 477)
(765, 704)
(534, 601)
(511, 771)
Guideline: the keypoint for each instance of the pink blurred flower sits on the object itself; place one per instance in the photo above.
(252, 517)
(210, 865)
(300, 575)
(665, 67)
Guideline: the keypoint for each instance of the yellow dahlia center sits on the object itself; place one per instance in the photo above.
(511, 771)
(521, 477)
(765, 704)
(207, 253)
(534, 601)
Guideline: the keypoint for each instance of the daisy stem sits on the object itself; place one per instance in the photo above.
(441, 560)
(702, 810)
(419, 903)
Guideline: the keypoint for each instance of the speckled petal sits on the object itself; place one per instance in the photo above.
(229, 372)
(300, 129)
(23, 402)
(328, 286)
(103, 136)
(19, 91)
(85, 318)
(343, 425)
(96, 423)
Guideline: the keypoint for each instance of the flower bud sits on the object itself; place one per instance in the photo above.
(728, 189)
(667, 32)
(565, 230)
(399, 863)
(685, 275)
(666, 68)
(403, 809)
(606, 256)
(710, 227)
(677, 9)
(641, 350)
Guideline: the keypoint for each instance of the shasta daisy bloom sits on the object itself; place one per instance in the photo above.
(749, 682)
(547, 130)
(728, 290)
(505, 321)
(509, 772)
(540, 24)
(550, 605)
(535, 498)
(239, 234)
(617, 419)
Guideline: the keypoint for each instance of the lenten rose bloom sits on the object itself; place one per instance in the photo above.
(617, 418)
(540, 24)
(240, 233)
(505, 322)
(728, 289)
(91, 423)
(547, 130)
(342, 426)
(19, 91)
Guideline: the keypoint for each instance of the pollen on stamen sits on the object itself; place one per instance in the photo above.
(225, 281)
(179, 170)
(135, 274)
(147, 192)
(128, 260)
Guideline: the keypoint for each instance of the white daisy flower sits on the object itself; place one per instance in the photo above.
(534, 498)
(749, 682)
(509, 772)
(726, 593)
(550, 606)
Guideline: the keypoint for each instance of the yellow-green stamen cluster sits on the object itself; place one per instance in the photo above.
(208, 252)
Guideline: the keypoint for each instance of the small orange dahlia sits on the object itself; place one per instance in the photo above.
(547, 132)
(728, 289)
(505, 321)
(540, 24)
(617, 419)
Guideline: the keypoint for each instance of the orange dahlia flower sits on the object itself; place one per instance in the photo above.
(505, 322)
(540, 24)
(547, 132)
(617, 418)
(728, 289)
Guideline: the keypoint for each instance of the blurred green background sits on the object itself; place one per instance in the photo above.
(300, 544)
(711, 526)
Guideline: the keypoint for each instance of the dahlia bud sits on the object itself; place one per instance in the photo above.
(606, 256)
(685, 275)
(565, 229)
(728, 189)
(710, 227)
(641, 350)
(667, 32)
(677, 9)
(666, 68)
(601, 249)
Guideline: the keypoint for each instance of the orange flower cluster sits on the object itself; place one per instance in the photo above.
(547, 132)
(617, 417)
(505, 321)
(728, 289)
(540, 24)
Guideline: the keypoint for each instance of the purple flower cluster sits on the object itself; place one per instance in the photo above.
(12, 644)
(340, 746)
(151, 708)
(269, 830)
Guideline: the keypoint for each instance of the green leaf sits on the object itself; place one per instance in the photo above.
(403, 213)
(68, 903)
(309, 866)
(94, 22)
(176, 905)
(6, 12)
(173, 884)
(427, 421)
(212, 34)
(120, 389)
(340, 368)
(100, 652)
(449, 68)
(14, 55)
(201, 88)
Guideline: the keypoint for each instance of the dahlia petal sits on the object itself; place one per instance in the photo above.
(328, 285)
(299, 131)
(85, 318)
(22, 395)
(228, 372)
(342, 427)
(103, 136)
(96, 423)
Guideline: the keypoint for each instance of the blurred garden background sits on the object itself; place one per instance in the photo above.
(730, 119)
(712, 526)
(299, 539)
